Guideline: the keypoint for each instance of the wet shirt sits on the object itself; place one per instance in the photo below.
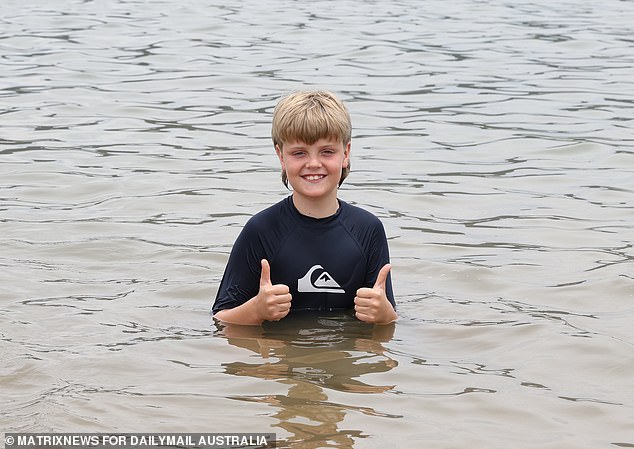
(322, 261)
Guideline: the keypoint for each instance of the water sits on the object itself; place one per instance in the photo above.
(494, 140)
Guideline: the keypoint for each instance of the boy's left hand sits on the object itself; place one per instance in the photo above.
(371, 304)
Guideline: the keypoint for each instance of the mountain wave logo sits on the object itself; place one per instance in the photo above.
(318, 280)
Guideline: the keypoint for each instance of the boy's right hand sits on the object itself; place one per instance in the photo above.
(273, 301)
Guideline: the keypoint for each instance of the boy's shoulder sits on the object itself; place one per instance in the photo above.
(358, 213)
(273, 215)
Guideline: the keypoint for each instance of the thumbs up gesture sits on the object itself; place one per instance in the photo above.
(273, 301)
(371, 304)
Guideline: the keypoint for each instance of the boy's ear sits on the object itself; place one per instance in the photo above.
(278, 150)
(346, 160)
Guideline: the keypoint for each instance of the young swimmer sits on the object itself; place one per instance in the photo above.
(310, 251)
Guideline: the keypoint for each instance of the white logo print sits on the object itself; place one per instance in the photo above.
(322, 283)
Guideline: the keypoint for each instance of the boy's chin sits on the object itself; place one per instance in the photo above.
(313, 191)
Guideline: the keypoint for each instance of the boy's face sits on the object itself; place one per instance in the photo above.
(314, 170)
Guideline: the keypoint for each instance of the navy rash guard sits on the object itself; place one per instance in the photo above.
(322, 261)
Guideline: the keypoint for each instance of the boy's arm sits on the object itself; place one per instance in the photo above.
(272, 303)
(245, 313)
(371, 304)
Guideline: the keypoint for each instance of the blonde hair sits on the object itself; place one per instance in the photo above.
(308, 116)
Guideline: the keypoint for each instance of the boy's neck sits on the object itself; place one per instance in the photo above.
(316, 208)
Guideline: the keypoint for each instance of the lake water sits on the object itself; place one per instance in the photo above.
(494, 140)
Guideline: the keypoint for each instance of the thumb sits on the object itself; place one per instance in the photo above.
(265, 276)
(381, 279)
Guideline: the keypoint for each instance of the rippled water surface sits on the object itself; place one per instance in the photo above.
(494, 140)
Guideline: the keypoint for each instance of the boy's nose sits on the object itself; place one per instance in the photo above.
(313, 161)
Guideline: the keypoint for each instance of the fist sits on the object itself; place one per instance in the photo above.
(371, 304)
(273, 301)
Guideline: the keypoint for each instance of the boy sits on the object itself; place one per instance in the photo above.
(310, 251)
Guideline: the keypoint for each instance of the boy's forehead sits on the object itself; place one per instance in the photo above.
(321, 141)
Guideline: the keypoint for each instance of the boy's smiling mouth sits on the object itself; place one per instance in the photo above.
(313, 177)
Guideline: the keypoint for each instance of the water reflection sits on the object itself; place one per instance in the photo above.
(313, 356)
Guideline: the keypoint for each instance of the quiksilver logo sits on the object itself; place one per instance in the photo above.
(318, 280)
